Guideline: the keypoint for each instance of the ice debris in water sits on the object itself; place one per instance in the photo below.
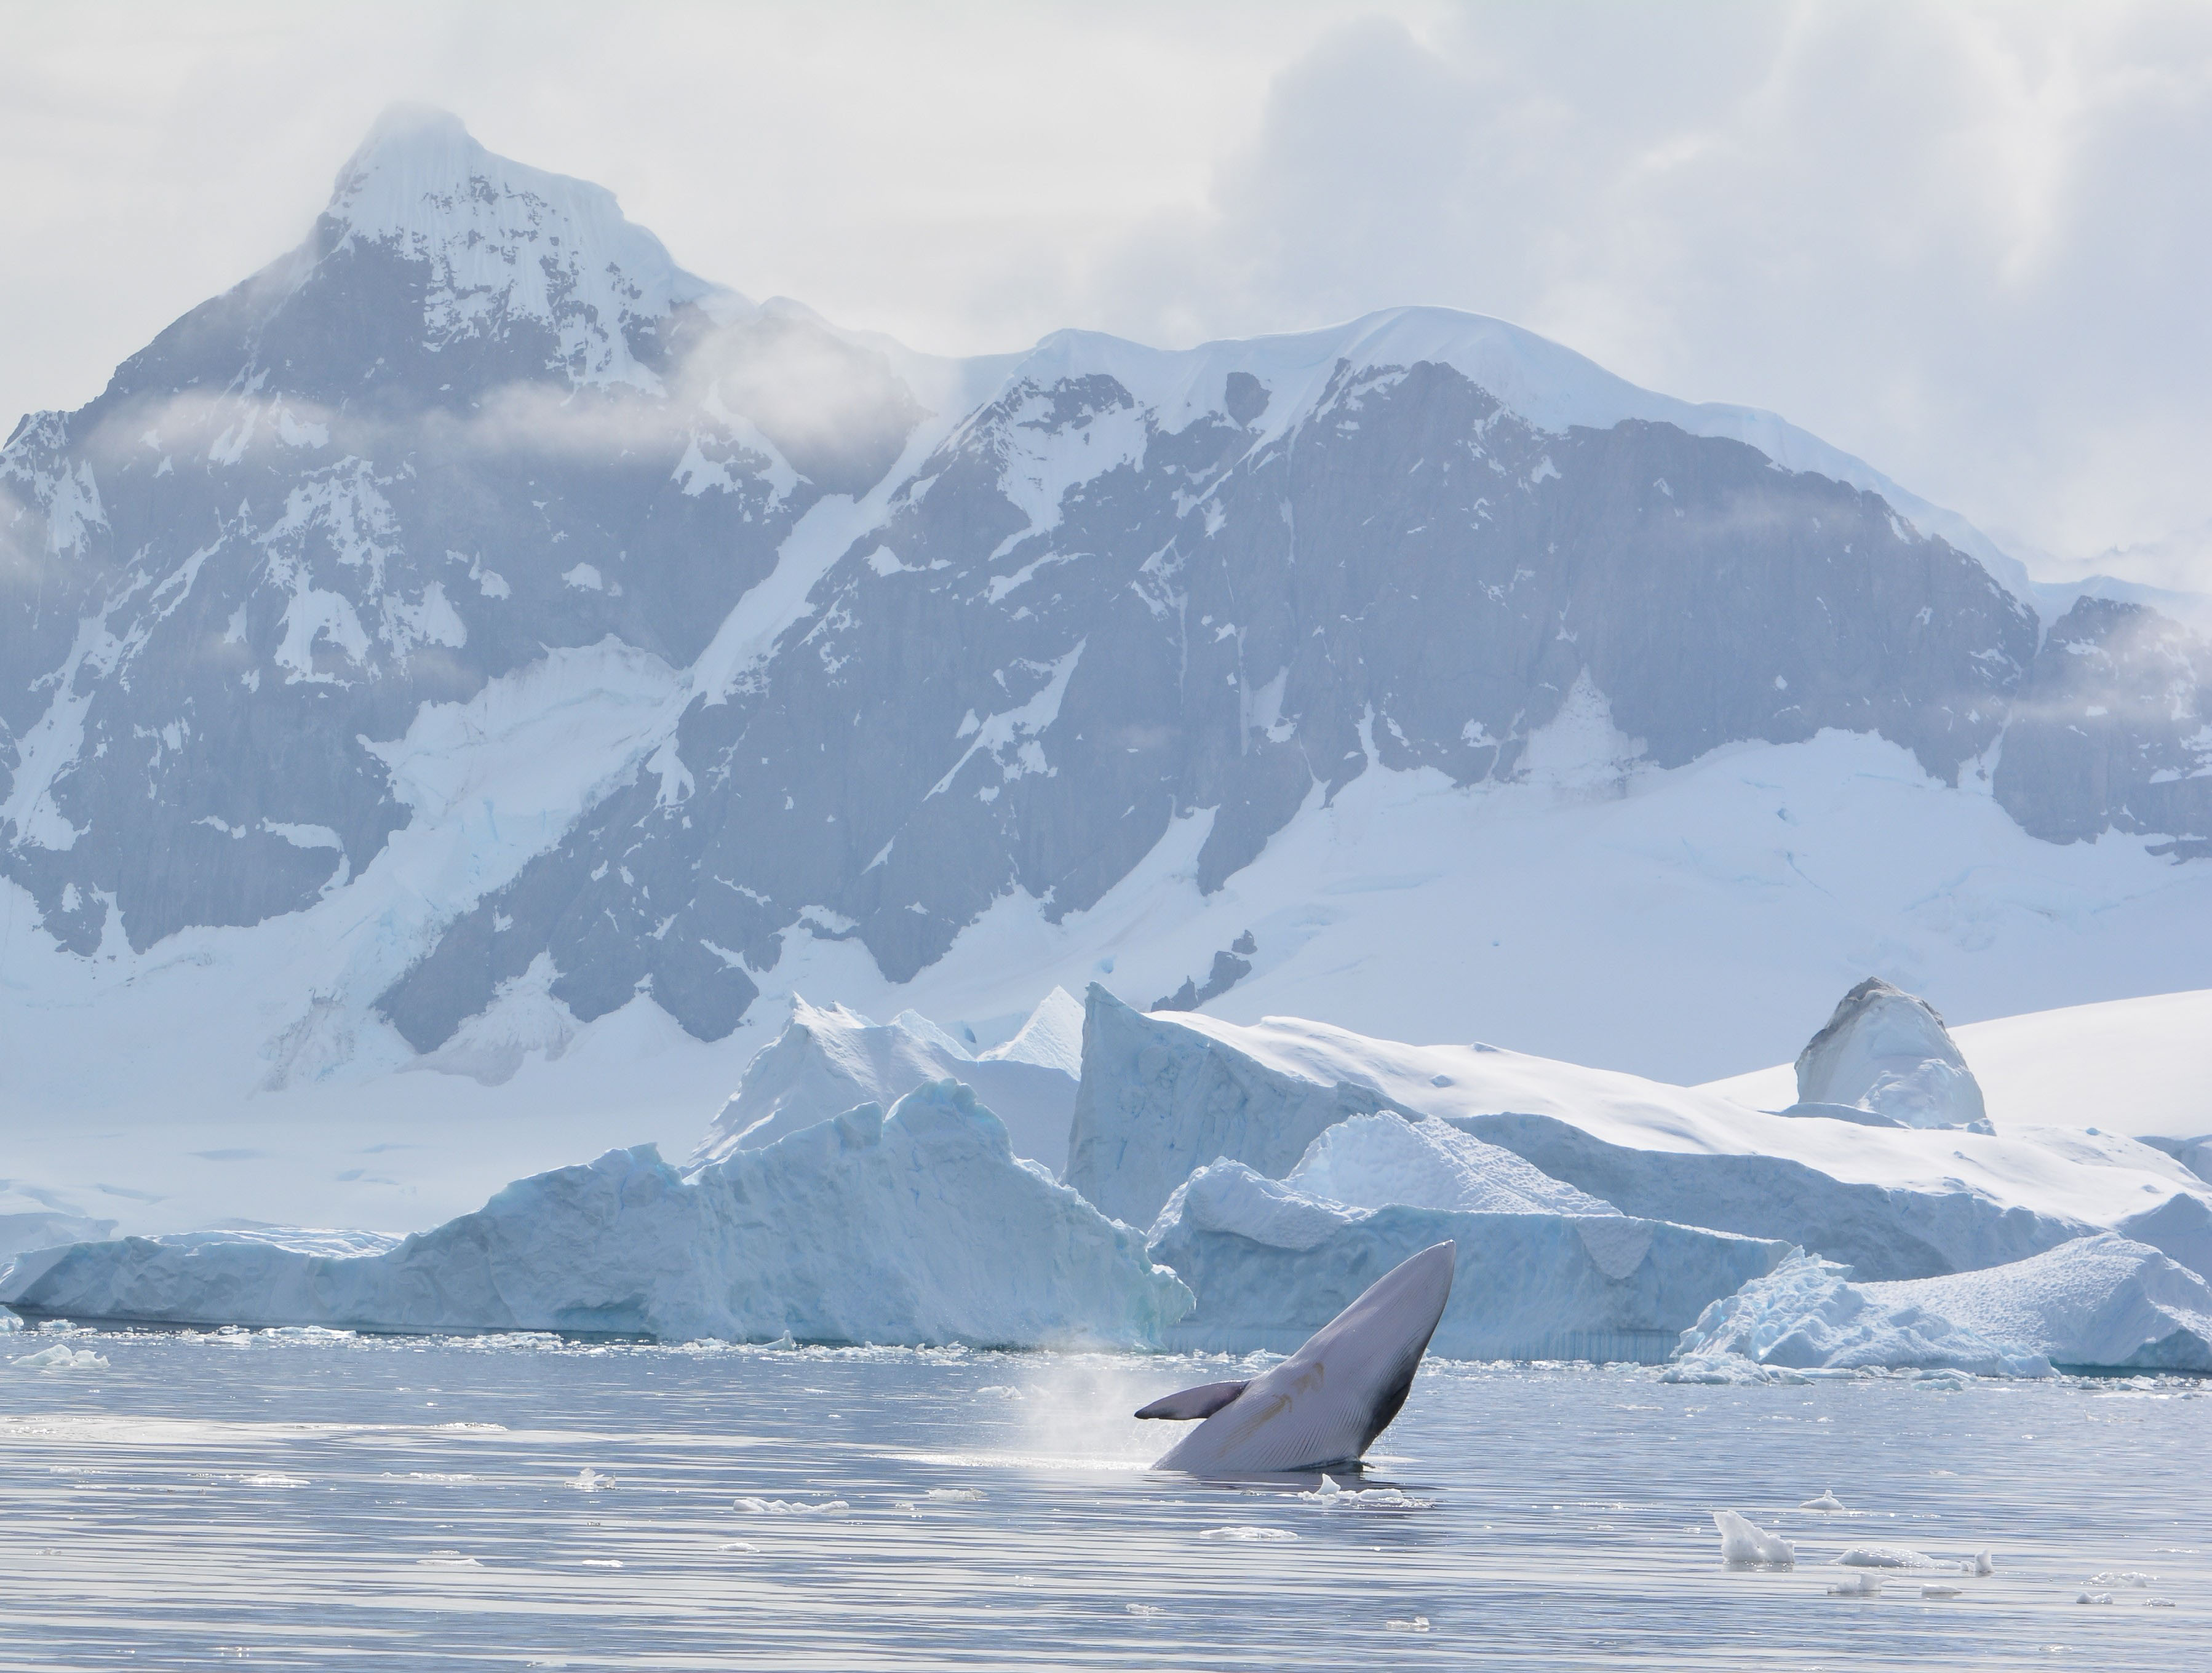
(588, 1479)
(602, 1562)
(740, 1545)
(1144, 1608)
(1334, 1495)
(2126, 1578)
(1826, 1502)
(58, 1358)
(961, 1495)
(1419, 1623)
(794, 1507)
(447, 1559)
(1888, 1556)
(2094, 1598)
(1941, 1592)
(1743, 1546)
(1858, 1585)
(1247, 1532)
(271, 1478)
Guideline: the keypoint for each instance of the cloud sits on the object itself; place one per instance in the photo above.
(1966, 242)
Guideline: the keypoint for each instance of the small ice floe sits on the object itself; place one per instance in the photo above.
(58, 1358)
(1857, 1585)
(446, 1560)
(1248, 1532)
(794, 1507)
(1826, 1502)
(1943, 1592)
(907, 1506)
(588, 1479)
(740, 1545)
(1147, 1610)
(955, 1495)
(1981, 1565)
(1332, 1495)
(1419, 1623)
(602, 1562)
(2129, 1577)
(2094, 1598)
(1893, 1556)
(2158, 1603)
(271, 1478)
(1743, 1546)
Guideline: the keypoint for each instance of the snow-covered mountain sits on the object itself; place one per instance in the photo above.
(473, 626)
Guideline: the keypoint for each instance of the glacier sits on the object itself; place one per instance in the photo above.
(829, 1059)
(2099, 1303)
(920, 1226)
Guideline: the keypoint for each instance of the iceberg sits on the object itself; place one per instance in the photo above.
(2099, 1303)
(1807, 1314)
(917, 1227)
(1272, 1263)
(1745, 1545)
(1887, 1053)
(829, 1060)
(1164, 1095)
(1384, 1160)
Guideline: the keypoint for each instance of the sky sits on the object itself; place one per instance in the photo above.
(1970, 243)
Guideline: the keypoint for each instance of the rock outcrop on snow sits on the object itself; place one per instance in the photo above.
(1887, 1053)
(829, 1059)
(920, 1226)
(1270, 1263)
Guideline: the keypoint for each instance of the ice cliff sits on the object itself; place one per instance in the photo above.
(917, 1227)
(1271, 1263)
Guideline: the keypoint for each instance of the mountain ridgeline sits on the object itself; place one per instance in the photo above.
(938, 631)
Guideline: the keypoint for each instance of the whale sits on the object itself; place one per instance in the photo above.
(1323, 1406)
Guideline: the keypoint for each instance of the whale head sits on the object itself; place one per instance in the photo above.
(1326, 1402)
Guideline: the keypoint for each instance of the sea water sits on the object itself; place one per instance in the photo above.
(305, 1500)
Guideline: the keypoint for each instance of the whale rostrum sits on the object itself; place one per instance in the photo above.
(1326, 1402)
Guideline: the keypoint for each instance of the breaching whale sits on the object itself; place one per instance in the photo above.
(1326, 1402)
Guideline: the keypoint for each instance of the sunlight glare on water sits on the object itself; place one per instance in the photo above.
(303, 1501)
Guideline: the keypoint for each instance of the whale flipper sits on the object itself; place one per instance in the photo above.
(1326, 1402)
(1204, 1400)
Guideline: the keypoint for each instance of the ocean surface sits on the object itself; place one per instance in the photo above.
(304, 1501)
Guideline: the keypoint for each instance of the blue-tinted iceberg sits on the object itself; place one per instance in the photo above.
(917, 1227)
(829, 1059)
(2099, 1302)
(1271, 1263)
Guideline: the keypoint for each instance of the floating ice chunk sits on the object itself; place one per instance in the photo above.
(959, 1495)
(271, 1478)
(1743, 1546)
(1857, 1585)
(588, 1479)
(2125, 1578)
(1826, 1502)
(59, 1358)
(2158, 1603)
(602, 1562)
(2094, 1598)
(447, 1559)
(1334, 1495)
(1143, 1608)
(1888, 1053)
(739, 1545)
(1981, 1565)
(1419, 1623)
(1942, 1592)
(1248, 1533)
(1890, 1556)
(1806, 1314)
(794, 1507)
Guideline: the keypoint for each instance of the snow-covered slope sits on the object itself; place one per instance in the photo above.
(474, 646)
